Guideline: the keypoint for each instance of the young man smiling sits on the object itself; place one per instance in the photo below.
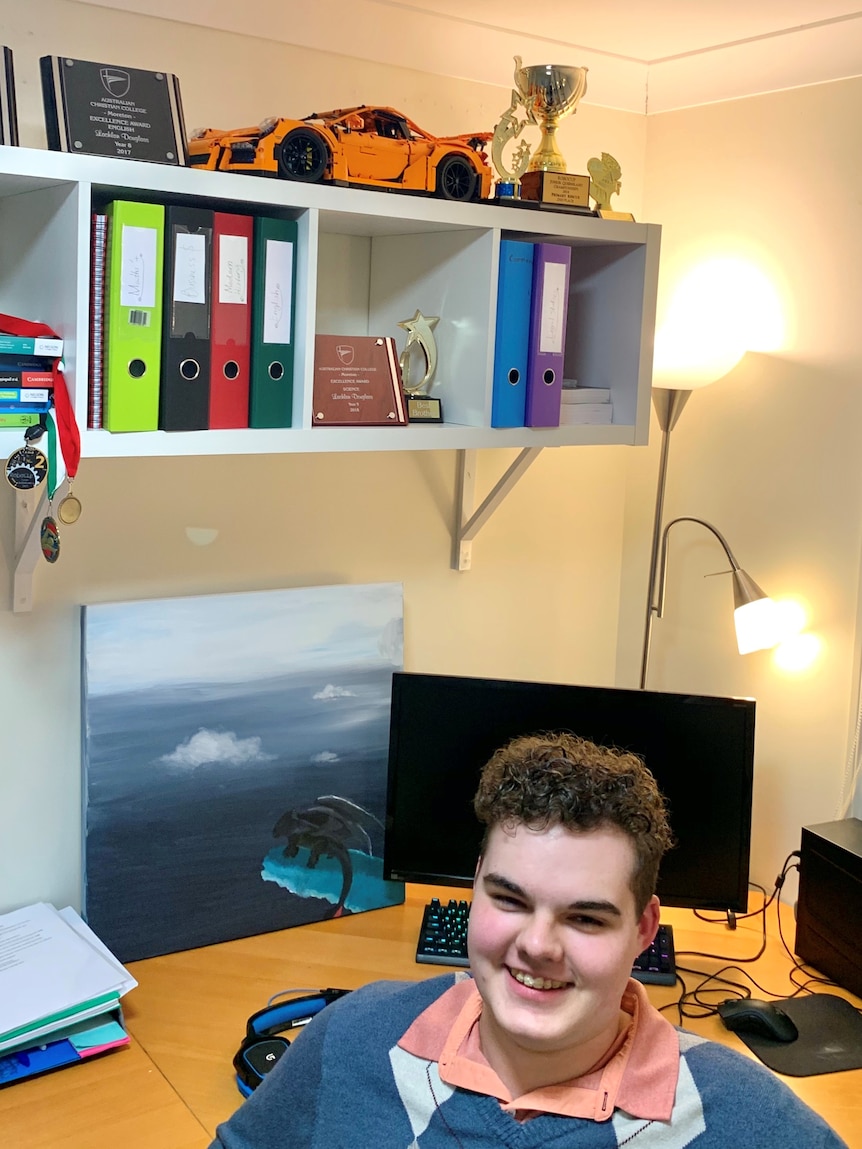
(549, 1043)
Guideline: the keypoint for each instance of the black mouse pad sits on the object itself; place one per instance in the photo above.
(829, 1041)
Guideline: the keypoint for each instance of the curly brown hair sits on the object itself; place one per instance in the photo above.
(540, 780)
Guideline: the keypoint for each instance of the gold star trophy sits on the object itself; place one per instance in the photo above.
(421, 408)
(507, 131)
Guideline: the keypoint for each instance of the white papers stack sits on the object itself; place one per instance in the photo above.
(54, 972)
(585, 405)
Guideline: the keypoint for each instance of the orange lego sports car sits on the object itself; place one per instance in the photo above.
(372, 147)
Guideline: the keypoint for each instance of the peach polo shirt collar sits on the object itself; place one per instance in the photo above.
(638, 1075)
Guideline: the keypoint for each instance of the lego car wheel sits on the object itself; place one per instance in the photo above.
(456, 178)
(302, 156)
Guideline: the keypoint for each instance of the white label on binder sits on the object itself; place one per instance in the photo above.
(233, 269)
(278, 278)
(190, 268)
(138, 247)
(553, 308)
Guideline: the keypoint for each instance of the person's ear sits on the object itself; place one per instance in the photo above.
(648, 923)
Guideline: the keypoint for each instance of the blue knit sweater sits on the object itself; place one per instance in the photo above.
(345, 1084)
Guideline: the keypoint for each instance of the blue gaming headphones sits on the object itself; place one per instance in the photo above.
(262, 1046)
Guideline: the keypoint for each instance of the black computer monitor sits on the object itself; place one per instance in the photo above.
(701, 750)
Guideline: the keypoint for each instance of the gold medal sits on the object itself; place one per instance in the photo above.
(69, 510)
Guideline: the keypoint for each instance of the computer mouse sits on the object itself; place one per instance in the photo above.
(762, 1018)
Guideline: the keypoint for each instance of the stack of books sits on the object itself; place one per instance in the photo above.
(60, 991)
(585, 404)
(26, 379)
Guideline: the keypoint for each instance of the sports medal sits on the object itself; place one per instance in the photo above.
(26, 468)
(49, 538)
(69, 510)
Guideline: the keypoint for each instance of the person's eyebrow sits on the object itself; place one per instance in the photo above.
(593, 906)
(504, 883)
(597, 907)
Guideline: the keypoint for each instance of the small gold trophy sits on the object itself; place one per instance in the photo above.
(549, 93)
(420, 336)
(605, 181)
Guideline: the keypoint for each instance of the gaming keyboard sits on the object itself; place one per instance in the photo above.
(443, 941)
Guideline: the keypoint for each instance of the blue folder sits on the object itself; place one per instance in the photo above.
(65, 1047)
(514, 290)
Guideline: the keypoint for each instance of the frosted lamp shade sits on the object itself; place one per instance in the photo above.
(690, 355)
(758, 625)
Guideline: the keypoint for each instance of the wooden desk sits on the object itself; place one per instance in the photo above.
(121, 1099)
(188, 1015)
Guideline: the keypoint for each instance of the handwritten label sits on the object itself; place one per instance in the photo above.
(554, 303)
(277, 291)
(233, 269)
(138, 262)
(190, 268)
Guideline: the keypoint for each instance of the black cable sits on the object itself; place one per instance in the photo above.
(736, 917)
(809, 978)
(799, 966)
(724, 957)
(676, 1004)
(696, 1003)
(695, 1006)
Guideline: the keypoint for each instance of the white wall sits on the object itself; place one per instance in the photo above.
(557, 591)
(542, 599)
(771, 453)
(228, 81)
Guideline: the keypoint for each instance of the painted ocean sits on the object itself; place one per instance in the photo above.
(216, 809)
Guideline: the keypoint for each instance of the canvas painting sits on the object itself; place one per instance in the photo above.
(235, 756)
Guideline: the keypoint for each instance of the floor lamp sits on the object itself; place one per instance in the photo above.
(754, 612)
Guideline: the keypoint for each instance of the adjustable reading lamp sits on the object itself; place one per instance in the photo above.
(754, 611)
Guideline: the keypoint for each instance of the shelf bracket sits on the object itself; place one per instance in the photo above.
(30, 508)
(469, 521)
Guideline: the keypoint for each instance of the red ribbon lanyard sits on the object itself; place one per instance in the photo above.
(67, 427)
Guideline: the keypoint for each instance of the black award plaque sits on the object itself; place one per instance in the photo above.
(8, 108)
(105, 110)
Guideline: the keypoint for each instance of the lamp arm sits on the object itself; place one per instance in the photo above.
(662, 579)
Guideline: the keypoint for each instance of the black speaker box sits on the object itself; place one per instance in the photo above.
(829, 910)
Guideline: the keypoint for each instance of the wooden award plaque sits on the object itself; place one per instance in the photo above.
(357, 382)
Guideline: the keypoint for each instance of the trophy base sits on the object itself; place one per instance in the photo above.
(606, 213)
(557, 189)
(507, 189)
(421, 409)
(532, 205)
(535, 205)
(515, 201)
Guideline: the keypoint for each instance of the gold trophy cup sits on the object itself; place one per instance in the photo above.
(549, 93)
